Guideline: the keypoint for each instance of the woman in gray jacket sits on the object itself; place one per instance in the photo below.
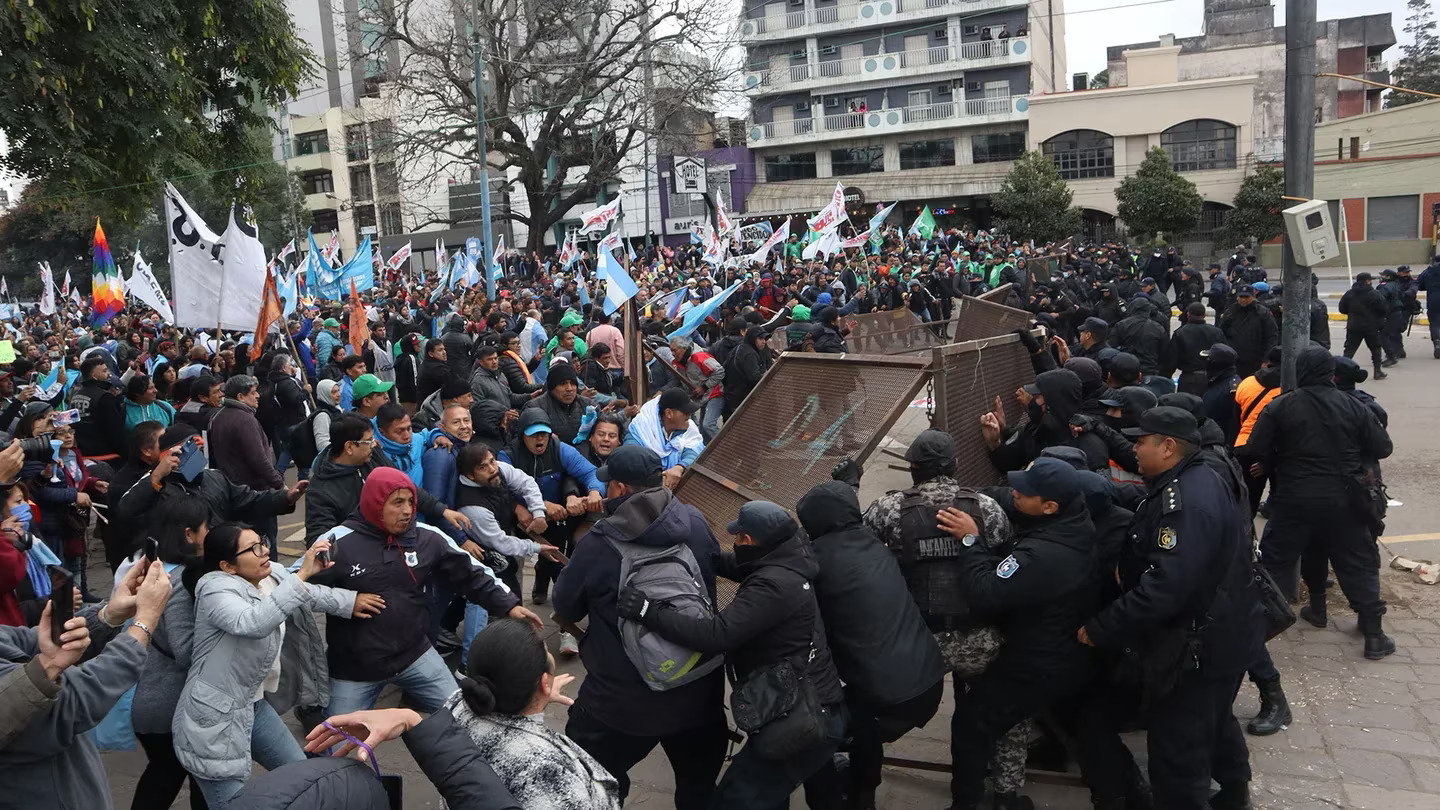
(246, 611)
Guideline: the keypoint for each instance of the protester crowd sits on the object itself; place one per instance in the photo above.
(448, 447)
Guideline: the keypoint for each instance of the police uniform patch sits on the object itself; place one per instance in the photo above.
(412, 559)
(1007, 567)
(1167, 539)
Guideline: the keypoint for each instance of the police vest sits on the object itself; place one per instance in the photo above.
(929, 559)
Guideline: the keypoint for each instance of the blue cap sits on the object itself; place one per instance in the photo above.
(533, 421)
(1261, 286)
(1049, 478)
(823, 298)
(765, 521)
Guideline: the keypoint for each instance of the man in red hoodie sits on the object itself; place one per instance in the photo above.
(385, 551)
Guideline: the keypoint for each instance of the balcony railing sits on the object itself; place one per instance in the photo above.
(864, 13)
(882, 66)
(891, 119)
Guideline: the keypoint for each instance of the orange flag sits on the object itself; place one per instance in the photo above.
(359, 327)
(271, 312)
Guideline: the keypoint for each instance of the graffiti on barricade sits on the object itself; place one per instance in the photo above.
(799, 425)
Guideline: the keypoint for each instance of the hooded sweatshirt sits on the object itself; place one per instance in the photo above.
(1062, 392)
(613, 691)
(881, 644)
(398, 567)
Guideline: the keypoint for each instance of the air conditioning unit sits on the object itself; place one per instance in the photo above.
(943, 90)
(829, 50)
(970, 30)
(802, 106)
(942, 33)
(974, 87)
(832, 102)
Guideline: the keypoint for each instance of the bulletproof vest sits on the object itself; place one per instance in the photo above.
(929, 556)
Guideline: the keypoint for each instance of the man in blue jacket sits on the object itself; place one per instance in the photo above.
(616, 718)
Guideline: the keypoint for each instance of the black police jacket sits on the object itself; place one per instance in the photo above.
(1364, 308)
(1186, 568)
(1250, 331)
(1038, 590)
(879, 640)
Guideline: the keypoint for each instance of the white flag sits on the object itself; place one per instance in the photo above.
(611, 241)
(4, 288)
(47, 289)
(217, 280)
(401, 257)
(780, 235)
(722, 219)
(600, 217)
(65, 286)
(143, 285)
(285, 252)
(75, 296)
(827, 244)
(331, 250)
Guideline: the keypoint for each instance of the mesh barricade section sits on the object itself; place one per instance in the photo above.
(719, 504)
(982, 319)
(809, 412)
(971, 377)
(891, 332)
(998, 294)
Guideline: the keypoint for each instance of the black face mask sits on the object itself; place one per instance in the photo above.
(744, 555)
(1035, 411)
(1116, 422)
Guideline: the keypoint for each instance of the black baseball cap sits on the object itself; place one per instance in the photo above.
(675, 399)
(932, 447)
(632, 464)
(765, 521)
(1073, 456)
(1364, 277)
(1095, 326)
(1167, 420)
(1050, 478)
(1244, 290)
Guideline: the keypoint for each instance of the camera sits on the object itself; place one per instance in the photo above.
(35, 449)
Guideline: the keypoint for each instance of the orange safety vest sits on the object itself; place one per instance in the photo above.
(1246, 394)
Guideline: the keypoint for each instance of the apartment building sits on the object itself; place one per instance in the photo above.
(924, 101)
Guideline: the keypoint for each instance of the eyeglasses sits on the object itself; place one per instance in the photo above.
(366, 442)
(260, 549)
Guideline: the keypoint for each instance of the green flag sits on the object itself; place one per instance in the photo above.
(924, 225)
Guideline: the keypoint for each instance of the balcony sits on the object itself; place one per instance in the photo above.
(320, 202)
(885, 68)
(811, 22)
(892, 120)
(319, 161)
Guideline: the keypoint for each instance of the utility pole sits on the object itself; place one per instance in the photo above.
(1299, 172)
(486, 249)
(649, 79)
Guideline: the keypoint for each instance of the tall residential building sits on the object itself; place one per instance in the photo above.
(924, 101)
(1240, 38)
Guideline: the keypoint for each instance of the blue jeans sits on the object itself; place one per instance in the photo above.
(476, 618)
(271, 745)
(710, 417)
(426, 683)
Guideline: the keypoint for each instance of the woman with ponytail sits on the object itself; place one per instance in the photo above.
(180, 536)
(247, 611)
(502, 704)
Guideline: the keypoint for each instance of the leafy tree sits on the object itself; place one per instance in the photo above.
(100, 98)
(1034, 203)
(1256, 214)
(573, 93)
(1100, 80)
(1419, 67)
(1156, 199)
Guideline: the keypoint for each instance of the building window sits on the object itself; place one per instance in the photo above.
(1082, 153)
(318, 183)
(361, 186)
(364, 221)
(326, 220)
(356, 147)
(383, 136)
(798, 166)
(997, 147)
(312, 143)
(925, 154)
(1200, 144)
(858, 160)
(387, 181)
(1392, 217)
(391, 222)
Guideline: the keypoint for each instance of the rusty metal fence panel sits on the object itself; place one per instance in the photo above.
(808, 413)
(969, 378)
(978, 319)
(998, 294)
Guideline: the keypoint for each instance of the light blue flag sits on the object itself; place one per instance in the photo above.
(360, 269)
(619, 287)
(312, 261)
(878, 220)
(696, 315)
(287, 288)
(582, 286)
(458, 269)
(630, 249)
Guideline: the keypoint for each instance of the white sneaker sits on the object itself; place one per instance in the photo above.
(568, 645)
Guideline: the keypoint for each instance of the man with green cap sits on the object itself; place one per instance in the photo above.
(369, 394)
(327, 340)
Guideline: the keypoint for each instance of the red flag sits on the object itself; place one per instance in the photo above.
(359, 327)
(271, 312)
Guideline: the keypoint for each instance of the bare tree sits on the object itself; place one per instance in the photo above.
(574, 88)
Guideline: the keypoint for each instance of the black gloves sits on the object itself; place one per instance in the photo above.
(632, 604)
(1028, 340)
(847, 472)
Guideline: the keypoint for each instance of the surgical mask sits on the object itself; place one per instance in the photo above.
(21, 511)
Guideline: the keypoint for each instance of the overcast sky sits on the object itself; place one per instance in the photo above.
(1093, 25)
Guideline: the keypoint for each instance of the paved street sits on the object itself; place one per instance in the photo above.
(1366, 734)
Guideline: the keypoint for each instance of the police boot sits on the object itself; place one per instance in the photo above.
(1234, 796)
(1390, 361)
(1010, 800)
(1274, 710)
(1314, 613)
(1379, 373)
(1377, 644)
(1437, 351)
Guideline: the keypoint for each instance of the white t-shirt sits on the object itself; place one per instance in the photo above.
(272, 679)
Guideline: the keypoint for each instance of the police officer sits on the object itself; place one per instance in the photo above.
(1190, 610)
(1315, 442)
(1392, 334)
(905, 521)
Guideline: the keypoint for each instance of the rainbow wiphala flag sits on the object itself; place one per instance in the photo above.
(107, 291)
